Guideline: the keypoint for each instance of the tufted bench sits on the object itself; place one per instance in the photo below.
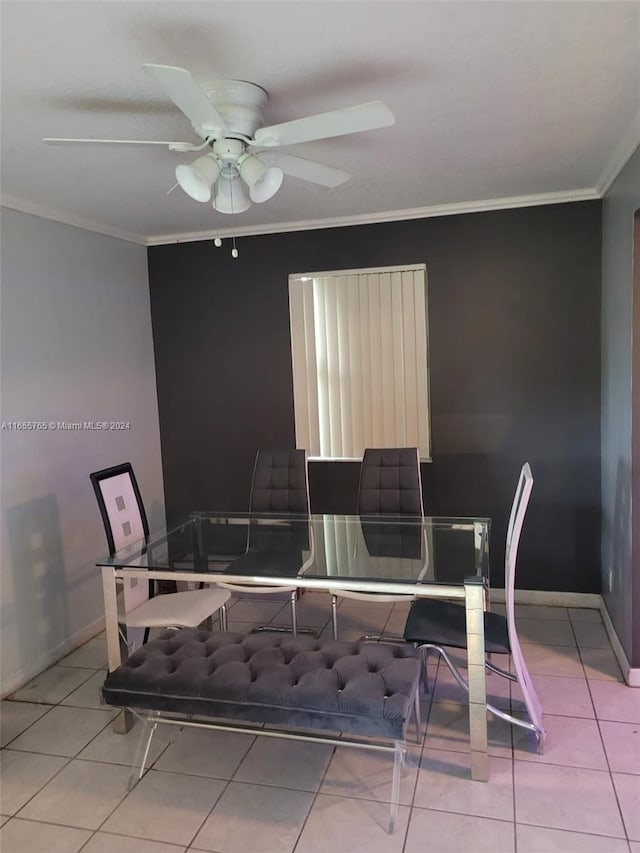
(245, 680)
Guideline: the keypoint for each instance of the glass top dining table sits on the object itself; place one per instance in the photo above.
(436, 557)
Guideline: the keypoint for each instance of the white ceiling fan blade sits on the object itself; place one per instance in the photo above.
(307, 170)
(186, 94)
(336, 123)
(174, 146)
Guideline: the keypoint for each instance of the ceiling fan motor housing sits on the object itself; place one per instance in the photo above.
(240, 104)
(228, 151)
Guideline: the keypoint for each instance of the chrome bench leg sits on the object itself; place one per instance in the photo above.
(149, 726)
(399, 756)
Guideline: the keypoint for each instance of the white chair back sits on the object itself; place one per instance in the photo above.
(124, 522)
(123, 510)
(516, 520)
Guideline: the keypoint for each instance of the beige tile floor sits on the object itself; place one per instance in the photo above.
(64, 771)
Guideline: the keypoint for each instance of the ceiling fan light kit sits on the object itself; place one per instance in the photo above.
(231, 196)
(263, 181)
(227, 116)
(198, 178)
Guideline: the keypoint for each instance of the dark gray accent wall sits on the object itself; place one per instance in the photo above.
(514, 317)
(620, 338)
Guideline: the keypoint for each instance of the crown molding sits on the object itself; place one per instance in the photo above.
(14, 203)
(385, 216)
(620, 156)
(507, 203)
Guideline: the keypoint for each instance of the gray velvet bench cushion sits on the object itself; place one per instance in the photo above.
(235, 682)
(358, 688)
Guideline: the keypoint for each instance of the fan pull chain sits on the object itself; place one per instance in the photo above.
(217, 242)
(234, 251)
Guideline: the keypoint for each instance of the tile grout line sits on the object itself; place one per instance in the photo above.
(421, 751)
(313, 801)
(613, 785)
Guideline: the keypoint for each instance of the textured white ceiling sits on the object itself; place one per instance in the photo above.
(493, 101)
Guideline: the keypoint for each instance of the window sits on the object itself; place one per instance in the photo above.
(360, 360)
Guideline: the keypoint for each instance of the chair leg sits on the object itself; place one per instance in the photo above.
(334, 615)
(524, 724)
(503, 715)
(418, 716)
(424, 660)
(131, 639)
(294, 615)
(498, 671)
(294, 630)
(452, 667)
(223, 617)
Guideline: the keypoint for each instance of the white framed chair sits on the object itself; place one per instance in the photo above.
(433, 624)
(390, 484)
(279, 484)
(125, 523)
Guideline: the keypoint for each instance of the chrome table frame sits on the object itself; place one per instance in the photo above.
(473, 593)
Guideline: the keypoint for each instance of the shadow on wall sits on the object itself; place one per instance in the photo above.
(37, 616)
(155, 516)
(618, 571)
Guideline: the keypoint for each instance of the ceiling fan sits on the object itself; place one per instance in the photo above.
(241, 162)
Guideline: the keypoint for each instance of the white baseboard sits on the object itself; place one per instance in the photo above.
(591, 601)
(24, 675)
(551, 599)
(630, 674)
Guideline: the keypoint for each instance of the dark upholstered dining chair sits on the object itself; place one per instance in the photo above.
(125, 523)
(280, 482)
(390, 484)
(279, 485)
(433, 624)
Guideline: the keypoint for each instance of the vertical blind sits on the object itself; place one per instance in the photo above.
(341, 549)
(359, 354)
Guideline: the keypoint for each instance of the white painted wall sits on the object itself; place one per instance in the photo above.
(76, 346)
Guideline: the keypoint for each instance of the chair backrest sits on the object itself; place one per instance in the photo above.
(280, 482)
(395, 541)
(516, 520)
(124, 519)
(280, 485)
(390, 482)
